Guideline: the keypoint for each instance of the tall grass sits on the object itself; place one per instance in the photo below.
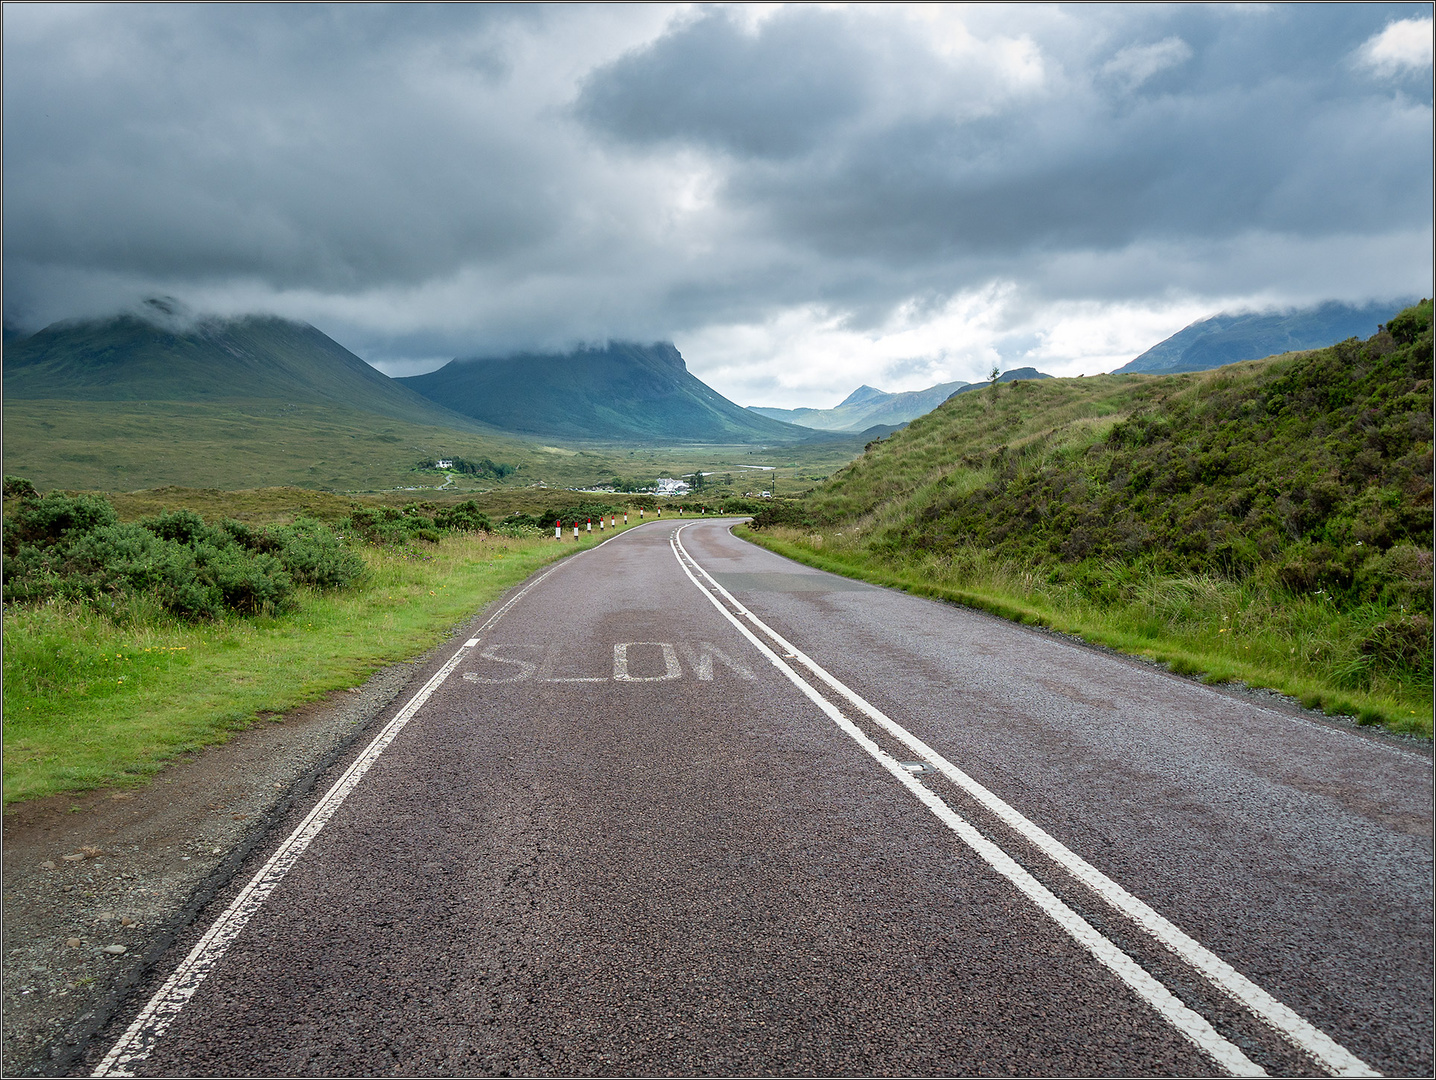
(1306, 646)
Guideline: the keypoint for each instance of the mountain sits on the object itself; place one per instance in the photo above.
(1227, 339)
(866, 407)
(1007, 376)
(623, 391)
(129, 358)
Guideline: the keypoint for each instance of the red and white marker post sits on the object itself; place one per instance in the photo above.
(590, 525)
(558, 530)
(575, 530)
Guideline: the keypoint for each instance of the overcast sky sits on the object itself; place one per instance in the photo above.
(803, 199)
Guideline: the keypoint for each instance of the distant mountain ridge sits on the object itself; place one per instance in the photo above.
(867, 407)
(129, 358)
(1229, 339)
(1014, 375)
(622, 391)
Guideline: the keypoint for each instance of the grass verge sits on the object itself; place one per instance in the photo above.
(1217, 630)
(95, 699)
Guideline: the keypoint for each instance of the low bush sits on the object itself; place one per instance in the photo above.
(74, 548)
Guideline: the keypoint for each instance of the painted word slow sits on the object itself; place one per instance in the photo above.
(633, 662)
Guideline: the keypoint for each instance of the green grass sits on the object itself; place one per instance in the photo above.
(126, 446)
(93, 700)
(1220, 630)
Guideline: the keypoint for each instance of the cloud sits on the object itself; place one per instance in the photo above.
(1136, 64)
(1402, 46)
(802, 197)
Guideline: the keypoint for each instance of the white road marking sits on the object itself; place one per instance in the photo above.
(526, 669)
(701, 659)
(135, 1044)
(1190, 1024)
(1285, 1021)
(671, 670)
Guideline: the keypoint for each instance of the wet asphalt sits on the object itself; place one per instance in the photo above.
(618, 840)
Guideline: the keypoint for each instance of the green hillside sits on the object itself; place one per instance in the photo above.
(622, 392)
(1267, 521)
(255, 442)
(127, 358)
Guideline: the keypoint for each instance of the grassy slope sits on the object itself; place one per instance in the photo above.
(1221, 521)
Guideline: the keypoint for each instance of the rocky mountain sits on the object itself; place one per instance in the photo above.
(133, 358)
(867, 407)
(622, 391)
(1230, 338)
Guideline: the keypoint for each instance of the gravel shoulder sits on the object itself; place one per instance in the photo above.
(96, 886)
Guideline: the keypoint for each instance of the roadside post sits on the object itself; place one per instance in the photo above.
(575, 528)
(558, 530)
(590, 524)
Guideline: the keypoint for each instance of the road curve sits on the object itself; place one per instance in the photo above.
(683, 806)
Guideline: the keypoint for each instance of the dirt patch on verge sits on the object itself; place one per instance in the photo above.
(96, 885)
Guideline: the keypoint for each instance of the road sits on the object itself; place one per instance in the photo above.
(683, 806)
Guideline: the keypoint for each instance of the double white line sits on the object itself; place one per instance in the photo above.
(1302, 1035)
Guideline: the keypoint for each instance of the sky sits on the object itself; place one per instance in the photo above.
(803, 198)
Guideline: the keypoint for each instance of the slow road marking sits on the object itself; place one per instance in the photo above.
(633, 662)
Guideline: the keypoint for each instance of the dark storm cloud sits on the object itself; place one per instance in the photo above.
(208, 142)
(432, 181)
(1200, 122)
(775, 93)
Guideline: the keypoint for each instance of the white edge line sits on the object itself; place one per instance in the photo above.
(157, 1015)
(1300, 1032)
(1190, 1024)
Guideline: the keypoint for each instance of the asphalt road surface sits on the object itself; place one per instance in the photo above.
(682, 806)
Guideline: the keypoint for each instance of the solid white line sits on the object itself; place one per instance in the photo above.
(1302, 1034)
(1192, 1025)
(153, 1020)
